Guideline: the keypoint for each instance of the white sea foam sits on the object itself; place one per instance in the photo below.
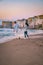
(9, 34)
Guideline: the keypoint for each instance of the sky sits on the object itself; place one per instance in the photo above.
(18, 9)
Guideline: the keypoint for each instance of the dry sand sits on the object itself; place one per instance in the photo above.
(22, 52)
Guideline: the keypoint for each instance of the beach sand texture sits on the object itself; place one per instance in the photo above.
(22, 52)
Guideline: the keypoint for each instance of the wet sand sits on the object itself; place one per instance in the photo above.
(22, 52)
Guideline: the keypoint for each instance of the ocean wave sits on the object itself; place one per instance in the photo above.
(9, 34)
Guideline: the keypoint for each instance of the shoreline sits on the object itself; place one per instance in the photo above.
(10, 38)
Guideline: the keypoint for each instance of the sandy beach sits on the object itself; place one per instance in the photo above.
(22, 52)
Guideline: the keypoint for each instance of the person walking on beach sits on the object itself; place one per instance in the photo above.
(16, 27)
(26, 28)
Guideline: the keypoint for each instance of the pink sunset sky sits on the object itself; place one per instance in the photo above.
(18, 9)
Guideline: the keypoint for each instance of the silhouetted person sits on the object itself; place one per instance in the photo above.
(27, 23)
(26, 34)
(26, 27)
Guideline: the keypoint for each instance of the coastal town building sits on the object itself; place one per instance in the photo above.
(31, 22)
(7, 24)
(38, 21)
(35, 22)
(21, 22)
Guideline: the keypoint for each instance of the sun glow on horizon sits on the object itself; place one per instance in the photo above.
(20, 9)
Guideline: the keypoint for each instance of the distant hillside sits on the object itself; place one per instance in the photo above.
(38, 17)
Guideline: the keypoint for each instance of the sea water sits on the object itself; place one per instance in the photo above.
(9, 34)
